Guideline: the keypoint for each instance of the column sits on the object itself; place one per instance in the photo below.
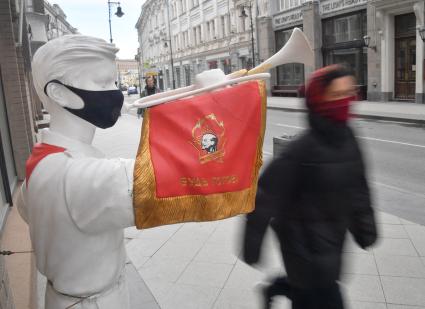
(374, 64)
(419, 12)
(387, 57)
(265, 41)
(312, 28)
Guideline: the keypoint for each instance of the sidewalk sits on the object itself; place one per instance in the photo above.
(196, 265)
(391, 111)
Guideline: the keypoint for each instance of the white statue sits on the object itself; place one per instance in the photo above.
(75, 201)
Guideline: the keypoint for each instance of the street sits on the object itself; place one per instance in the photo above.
(394, 155)
(196, 265)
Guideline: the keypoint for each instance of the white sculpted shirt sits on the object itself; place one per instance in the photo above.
(77, 203)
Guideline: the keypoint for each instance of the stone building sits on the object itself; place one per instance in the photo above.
(24, 28)
(128, 72)
(378, 39)
(57, 24)
(17, 135)
(199, 34)
(396, 57)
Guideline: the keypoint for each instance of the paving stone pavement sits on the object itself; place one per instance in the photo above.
(196, 265)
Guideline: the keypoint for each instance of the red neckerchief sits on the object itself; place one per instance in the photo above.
(39, 152)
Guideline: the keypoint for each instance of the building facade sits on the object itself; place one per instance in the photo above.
(197, 35)
(377, 39)
(396, 59)
(24, 28)
(17, 127)
(57, 25)
(128, 72)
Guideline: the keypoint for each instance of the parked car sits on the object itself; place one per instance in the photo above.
(132, 90)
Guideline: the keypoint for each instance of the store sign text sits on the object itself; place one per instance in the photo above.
(328, 6)
(288, 18)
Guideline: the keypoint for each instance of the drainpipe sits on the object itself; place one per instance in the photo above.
(21, 22)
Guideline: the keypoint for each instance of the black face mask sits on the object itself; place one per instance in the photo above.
(101, 108)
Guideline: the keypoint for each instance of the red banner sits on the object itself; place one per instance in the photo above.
(206, 144)
(205, 150)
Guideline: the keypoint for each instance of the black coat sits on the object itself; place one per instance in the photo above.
(313, 193)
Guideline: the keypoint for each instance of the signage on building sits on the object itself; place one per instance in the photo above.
(329, 6)
(288, 18)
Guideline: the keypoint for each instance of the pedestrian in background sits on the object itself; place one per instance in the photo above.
(312, 194)
(150, 89)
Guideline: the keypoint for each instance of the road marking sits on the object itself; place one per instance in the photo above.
(398, 189)
(362, 137)
(392, 142)
(267, 153)
(288, 126)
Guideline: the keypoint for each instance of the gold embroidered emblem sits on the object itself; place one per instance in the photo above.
(208, 138)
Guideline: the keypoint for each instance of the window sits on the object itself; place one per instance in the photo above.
(208, 31)
(178, 78)
(199, 34)
(212, 64)
(242, 20)
(288, 74)
(223, 26)
(174, 10)
(187, 75)
(213, 35)
(30, 6)
(288, 4)
(195, 36)
(195, 3)
(344, 29)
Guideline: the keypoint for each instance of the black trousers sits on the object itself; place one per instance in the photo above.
(323, 297)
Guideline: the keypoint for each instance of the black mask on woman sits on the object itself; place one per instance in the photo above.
(101, 108)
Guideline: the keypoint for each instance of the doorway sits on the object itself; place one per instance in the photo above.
(405, 57)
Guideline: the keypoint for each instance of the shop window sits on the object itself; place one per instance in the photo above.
(405, 25)
(187, 75)
(7, 167)
(227, 68)
(355, 59)
(178, 78)
(212, 64)
(288, 74)
(344, 29)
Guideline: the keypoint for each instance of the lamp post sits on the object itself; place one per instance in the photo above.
(137, 58)
(244, 15)
(119, 13)
(171, 48)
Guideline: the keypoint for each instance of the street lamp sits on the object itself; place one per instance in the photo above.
(366, 41)
(244, 15)
(119, 13)
(171, 48)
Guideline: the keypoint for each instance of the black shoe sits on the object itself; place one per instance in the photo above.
(267, 296)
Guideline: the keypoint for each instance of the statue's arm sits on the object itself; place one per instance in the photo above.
(99, 193)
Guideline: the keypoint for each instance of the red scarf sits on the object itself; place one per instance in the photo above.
(336, 110)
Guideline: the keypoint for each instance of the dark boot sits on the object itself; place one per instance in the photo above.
(279, 286)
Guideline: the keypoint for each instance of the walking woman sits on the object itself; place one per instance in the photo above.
(150, 89)
(312, 194)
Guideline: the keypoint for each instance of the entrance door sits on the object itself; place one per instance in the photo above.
(405, 57)
(405, 68)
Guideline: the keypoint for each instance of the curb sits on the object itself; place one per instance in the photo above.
(420, 122)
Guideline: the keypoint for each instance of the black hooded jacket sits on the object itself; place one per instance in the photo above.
(312, 194)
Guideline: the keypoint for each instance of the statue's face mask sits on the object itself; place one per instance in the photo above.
(101, 108)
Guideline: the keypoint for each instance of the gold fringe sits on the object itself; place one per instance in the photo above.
(150, 211)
